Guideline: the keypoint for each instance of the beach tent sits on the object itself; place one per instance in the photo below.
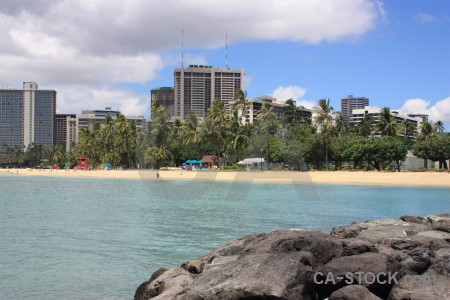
(252, 162)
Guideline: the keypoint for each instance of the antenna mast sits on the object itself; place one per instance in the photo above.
(226, 50)
(182, 48)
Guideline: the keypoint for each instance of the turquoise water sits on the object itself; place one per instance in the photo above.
(78, 238)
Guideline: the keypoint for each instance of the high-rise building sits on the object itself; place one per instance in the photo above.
(60, 128)
(26, 117)
(196, 87)
(350, 103)
(163, 95)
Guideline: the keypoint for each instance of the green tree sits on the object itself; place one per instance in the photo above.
(160, 132)
(439, 127)
(377, 151)
(241, 106)
(322, 118)
(434, 147)
(386, 123)
(219, 116)
(340, 127)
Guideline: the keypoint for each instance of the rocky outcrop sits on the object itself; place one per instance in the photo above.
(384, 259)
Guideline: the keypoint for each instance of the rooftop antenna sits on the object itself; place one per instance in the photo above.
(226, 50)
(182, 48)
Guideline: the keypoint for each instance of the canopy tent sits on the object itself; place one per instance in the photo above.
(251, 161)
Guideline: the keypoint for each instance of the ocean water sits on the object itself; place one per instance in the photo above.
(89, 238)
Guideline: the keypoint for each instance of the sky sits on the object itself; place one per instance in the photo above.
(102, 53)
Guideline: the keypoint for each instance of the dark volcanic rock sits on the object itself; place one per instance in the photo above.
(294, 264)
(257, 276)
(442, 225)
(412, 219)
(426, 286)
(356, 269)
(353, 292)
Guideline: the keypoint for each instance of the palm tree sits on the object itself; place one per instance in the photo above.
(340, 125)
(209, 134)
(268, 119)
(290, 111)
(407, 129)
(323, 114)
(426, 129)
(160, 131)
(439, 127)
(323, 118)
(386, 124)
(268, 124)
(126, 139)
(191, 132)
(219, 116)
(107, 135)
(241, 106)
(365, 127)
(176, 140)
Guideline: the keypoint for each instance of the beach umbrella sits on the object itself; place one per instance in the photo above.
(66, 167)
(194, 161)
(189, 161)
(200, 161)
(107, 165)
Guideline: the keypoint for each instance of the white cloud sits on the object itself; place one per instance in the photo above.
(426, 18)
(293, 92)
(75, 98)
(440, 111)
(92, 43)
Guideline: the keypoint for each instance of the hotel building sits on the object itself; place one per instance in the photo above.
(350, 103)
(26, 117)
(399, 116)
(165, 96)
(196, 87)
(278, 107)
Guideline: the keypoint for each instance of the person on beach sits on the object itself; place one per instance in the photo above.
(157, 174)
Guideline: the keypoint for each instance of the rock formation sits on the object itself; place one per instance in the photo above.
(384, 259)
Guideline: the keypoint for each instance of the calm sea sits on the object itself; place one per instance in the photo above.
(77, 238)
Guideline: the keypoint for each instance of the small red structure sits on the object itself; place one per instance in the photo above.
(55, 166)
(83, 164)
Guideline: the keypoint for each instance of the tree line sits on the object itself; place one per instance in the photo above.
(325, 141)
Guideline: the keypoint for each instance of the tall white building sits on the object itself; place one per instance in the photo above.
(399, 116)
(26, 117)
(196, 87)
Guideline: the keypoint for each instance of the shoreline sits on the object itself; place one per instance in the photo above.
(430, 179)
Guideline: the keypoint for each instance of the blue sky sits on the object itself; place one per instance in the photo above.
(100, 54)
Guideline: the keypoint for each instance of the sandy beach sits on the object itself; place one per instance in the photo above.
(437, 179)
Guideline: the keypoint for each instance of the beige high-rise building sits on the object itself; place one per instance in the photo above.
(196, 87)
